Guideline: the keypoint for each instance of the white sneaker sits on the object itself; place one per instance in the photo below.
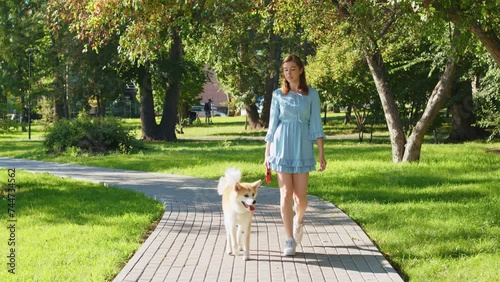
(290, 246)
(298, 230)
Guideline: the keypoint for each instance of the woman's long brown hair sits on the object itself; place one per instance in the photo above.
(285, 85)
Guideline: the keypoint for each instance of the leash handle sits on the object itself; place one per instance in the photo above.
(268, 175)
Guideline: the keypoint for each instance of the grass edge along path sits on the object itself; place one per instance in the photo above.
(69, 230)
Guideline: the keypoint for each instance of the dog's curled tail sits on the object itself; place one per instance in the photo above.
(232, 176)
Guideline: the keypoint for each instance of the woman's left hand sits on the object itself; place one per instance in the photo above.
(322, 164)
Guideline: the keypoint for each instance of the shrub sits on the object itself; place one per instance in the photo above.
(95, 135)
(8, 124)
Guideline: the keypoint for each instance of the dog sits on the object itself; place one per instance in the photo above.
(238, 206)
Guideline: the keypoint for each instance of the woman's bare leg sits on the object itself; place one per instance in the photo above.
(285, 181)
(300, 184)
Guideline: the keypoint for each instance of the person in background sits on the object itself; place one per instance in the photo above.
(294, 126)
(208, 111)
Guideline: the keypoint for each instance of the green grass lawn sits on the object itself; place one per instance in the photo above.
(235, 127)
(72, 231)
(436, 220)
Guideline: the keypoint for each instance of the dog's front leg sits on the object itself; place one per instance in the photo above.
(235, 249)
(246, 245)
(231, 230)
(229, 249)
(239, 241)
(229, 223)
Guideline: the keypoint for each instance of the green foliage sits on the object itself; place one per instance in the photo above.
(413, 73)
(340, 75)
(244, 47)
(343, 79)
(8, 124)
(92, 75)
(487, 102)
(237, 49)
(46, 109)
(192, 76)
(21, 28)
(90, 134)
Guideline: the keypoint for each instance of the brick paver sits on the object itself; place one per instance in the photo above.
(188, 244)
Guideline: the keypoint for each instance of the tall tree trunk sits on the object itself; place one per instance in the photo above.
(273, 70)
(347, 116)
(439, 95)
(166, 129)
(462, 115)
(23, 114)
(379, 73)
(65, 106)
(268, 95)
(272, 77)
(244, 87)
(148, 122)
(360, 115)
(58, 97)
(58, 107)
(253, 116)
(3, 103)
(169, 118)
(99, 105)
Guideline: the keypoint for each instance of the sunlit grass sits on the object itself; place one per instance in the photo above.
(233, 127)
(430, 218)
(37, 132)
(237, 126)
(73, 231)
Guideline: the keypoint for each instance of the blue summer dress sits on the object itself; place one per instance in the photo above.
(294, 126)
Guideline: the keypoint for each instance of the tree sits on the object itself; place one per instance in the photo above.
(369, 24)
(341, 76)
(193, 77)
(21, 30)
(472, 18)
(234, 45)
(410, 149)
(242, 44)
(147, 30)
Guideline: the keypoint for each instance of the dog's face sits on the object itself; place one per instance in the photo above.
(246, 194)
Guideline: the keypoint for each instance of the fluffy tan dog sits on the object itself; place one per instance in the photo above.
(238, 205)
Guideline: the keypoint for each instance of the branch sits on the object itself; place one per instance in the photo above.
(389, 23)
(342, 8)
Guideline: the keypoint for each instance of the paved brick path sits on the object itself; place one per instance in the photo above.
(188, 243)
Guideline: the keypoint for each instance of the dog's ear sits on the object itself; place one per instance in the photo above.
(257, 184)
(237, 187)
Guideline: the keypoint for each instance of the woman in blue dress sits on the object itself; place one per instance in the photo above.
(294, 127)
